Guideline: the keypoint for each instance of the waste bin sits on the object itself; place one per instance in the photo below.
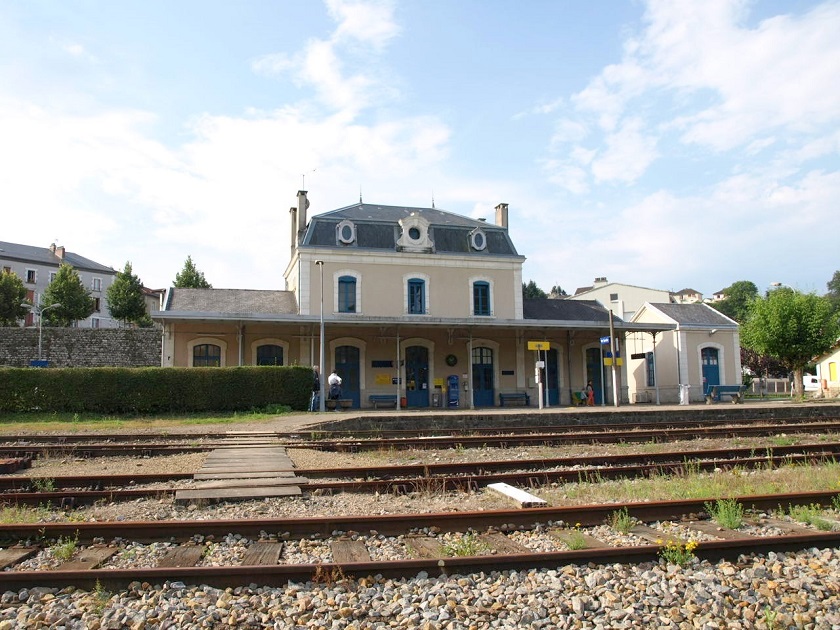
(436, 399)
(684, 394)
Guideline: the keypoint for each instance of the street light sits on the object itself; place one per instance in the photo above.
(39, 311)
(321, 394)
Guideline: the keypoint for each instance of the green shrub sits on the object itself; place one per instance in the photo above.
(153, 390)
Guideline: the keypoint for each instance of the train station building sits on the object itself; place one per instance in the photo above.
(425, 307)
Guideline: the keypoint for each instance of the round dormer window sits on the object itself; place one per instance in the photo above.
(478, 240)
(346, 232)
(414, 233)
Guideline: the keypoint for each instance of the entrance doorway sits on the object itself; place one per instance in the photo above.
(347, 367)
(484, 393)
(595, 373)
(417, 376)
(711, 368)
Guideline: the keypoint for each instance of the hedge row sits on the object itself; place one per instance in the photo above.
(153, 390)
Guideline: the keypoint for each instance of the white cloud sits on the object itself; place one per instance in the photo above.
(627, 155)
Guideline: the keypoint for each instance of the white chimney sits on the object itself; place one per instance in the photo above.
(303, 204)
(502, 215)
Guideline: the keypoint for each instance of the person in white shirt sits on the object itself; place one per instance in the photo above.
(334, 382)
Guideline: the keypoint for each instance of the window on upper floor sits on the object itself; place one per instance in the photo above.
(613, 297)
(96, 285)
(52, 275)
(481, 298)
(97, 305)
(31, 276)
(416, 297)
(347, 294)
(207, 355)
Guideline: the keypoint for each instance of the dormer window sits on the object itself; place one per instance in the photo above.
(346, 232)
(478, 239)
(415, 235)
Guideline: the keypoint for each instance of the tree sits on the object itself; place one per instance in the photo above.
(739, 297)
(557, 292)
(67, 290)
(531, 291)
(12, 295)
(833, 294)
(190, 277)
(791, 326)
(125, 297)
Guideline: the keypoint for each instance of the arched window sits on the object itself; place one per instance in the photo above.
(207, 355)
(269, 354)
(416, 297)
(347, 294)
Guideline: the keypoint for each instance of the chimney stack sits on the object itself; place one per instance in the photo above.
(59, 251)
(600, 281)
(303, 204)
(502, 215)
(293, 228)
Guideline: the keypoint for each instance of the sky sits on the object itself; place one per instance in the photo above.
(668, 144)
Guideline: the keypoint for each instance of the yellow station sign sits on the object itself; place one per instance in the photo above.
(539, 345)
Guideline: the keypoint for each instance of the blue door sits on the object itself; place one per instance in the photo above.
(711, 369)
(417, 376)
(594, 372)
(482, 377)
(347, 367)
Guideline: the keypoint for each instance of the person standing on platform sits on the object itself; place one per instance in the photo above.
(590, 395)
(334, 381)
(315, 403)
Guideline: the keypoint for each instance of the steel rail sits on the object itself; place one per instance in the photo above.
(552, 439)
(78, 491)
(502, 426)
(279, 575)
(392, 524)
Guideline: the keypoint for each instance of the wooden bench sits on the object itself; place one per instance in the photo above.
(714, 392)
(343, 403)
(519, 398)
(388, 400)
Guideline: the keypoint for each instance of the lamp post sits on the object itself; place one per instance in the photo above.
(39, 311)
(321, 394)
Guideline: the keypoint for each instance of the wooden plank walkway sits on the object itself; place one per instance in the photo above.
(241, 472)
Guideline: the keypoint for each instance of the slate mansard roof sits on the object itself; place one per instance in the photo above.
(377, 228)
(45, 256)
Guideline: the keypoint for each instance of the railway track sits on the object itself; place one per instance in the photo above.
(345, 545)
(68, 492)
(20, 447)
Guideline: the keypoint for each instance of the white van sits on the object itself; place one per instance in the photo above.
(811, 383)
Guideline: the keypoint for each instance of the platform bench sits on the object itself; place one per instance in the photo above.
(388, 400)
(343, 403)
(517, 398)
(714, 392)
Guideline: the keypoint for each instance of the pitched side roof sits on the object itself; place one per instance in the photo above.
(45, 256)
(231, 301)
(697, 314)
(377, 227)
(565, 310)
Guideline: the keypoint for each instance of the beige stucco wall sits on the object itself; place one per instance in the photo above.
(381, 282)
(828, 370)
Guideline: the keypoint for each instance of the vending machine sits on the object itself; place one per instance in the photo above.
(452, 391)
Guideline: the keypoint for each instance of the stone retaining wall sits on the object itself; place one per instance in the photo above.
(82, 347)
